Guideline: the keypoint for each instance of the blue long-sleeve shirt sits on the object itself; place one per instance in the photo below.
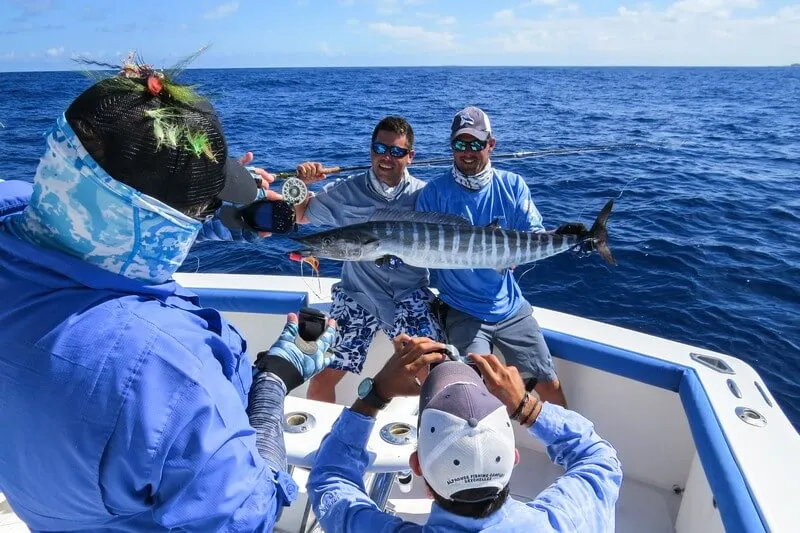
(124, 403)
(581, 500)
(482, 292)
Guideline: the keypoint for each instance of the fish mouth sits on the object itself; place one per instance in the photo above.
(299, 255)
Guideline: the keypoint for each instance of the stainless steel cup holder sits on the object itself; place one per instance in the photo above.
(399, 433)
(298, 422)
(751, 416)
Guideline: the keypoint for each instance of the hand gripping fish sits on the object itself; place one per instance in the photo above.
(444, 241)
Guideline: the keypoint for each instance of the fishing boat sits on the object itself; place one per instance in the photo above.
(703, 444)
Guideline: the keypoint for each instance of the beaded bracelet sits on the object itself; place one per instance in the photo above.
(520, 407)
(526, 421)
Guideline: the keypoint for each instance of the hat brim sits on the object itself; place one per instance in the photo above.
(478, 134)
(240, 187)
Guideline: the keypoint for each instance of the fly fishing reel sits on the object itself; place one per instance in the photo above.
(294, 191)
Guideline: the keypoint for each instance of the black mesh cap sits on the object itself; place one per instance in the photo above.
(116, 126)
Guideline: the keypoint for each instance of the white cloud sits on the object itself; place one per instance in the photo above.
(543, 2)
(690, 32)
(326, 50)
(569, 9)
(222, 11)
(716, 8)
(790, 13)
(387, 7)
(448, 21)
(504, 15)
(439, 40)
(55, 52)
(8, 56)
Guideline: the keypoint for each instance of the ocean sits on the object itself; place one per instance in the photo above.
(707, 213)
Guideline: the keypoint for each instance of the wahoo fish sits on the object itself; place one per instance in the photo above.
(445, 241)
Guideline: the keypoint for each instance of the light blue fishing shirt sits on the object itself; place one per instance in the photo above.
(352, 200)
(122, 399)
(582, 499)
(482, 293)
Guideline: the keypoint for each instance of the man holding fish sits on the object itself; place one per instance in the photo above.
(472, 226)
(482, 307)
(370, 296)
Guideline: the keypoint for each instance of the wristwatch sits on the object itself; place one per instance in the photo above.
(367, 394)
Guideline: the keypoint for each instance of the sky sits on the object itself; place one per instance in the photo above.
(48, 34)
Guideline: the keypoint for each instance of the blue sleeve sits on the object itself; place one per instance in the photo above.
(14, 196)
(336, 486)
(527, 216)
(215, 230)
(584, 497)
(191, 452)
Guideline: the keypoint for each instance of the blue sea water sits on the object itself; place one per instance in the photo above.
(707, 216)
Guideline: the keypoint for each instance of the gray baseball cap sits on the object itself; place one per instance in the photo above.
(466, 442)
(473, 121)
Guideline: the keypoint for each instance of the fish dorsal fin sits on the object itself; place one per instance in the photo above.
(494, 225)
(407, 215)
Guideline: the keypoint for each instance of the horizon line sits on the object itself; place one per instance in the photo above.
(424, 67)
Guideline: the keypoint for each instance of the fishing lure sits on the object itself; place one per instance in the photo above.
(310, 260)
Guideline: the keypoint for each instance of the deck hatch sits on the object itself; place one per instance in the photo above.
(712, 362)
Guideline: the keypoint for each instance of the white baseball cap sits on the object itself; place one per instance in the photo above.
(465, 439)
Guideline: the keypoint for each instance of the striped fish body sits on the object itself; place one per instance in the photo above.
(444, 241)
(461, 246)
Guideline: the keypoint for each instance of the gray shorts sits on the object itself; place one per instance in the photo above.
(518, 337)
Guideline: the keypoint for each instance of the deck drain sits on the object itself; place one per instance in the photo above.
(298, 422)
(399, 433)
(751, 416)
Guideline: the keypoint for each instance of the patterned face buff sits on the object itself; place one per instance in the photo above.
(383, 190)
(78, 209)
(476, 182)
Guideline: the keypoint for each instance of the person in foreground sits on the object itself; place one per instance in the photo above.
(466, 453)
(126, 405)
(481, 308)
(393, 298)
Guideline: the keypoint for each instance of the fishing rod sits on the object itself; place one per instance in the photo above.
(271, 216)
(495, 157)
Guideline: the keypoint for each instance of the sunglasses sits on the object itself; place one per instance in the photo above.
(394, 151)
(472, 146)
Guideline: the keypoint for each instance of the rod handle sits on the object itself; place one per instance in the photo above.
(293, 173)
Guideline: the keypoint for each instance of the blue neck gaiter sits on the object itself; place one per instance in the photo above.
(78, 209)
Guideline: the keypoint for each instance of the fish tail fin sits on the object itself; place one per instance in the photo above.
(598, 235)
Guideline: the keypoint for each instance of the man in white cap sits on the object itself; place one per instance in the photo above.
(482, 308)
(466, 452)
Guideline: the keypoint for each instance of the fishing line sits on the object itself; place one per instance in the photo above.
(519, 279)
(625, 187)
(305, 281)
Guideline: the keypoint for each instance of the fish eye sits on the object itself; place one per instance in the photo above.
(326, 241)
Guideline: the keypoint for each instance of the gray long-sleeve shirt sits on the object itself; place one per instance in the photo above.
(352, 200)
